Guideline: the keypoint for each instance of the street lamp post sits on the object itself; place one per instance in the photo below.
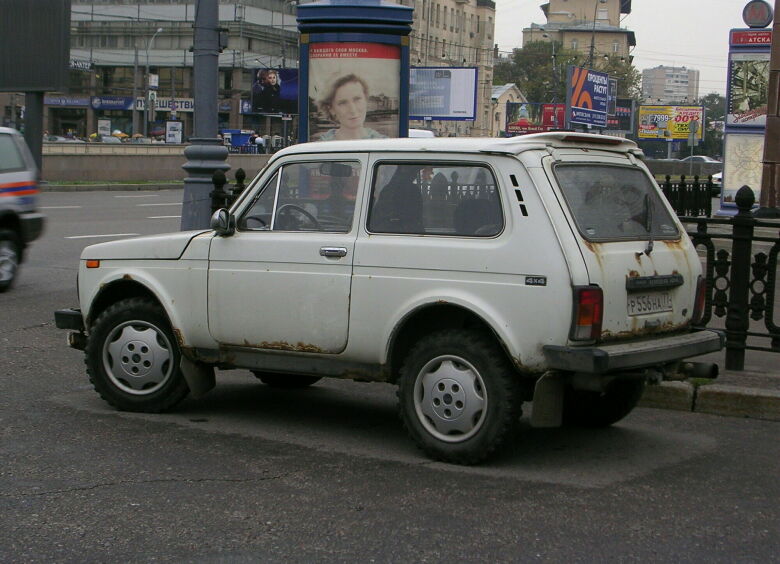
(593, 34)
(146, 100)
(555, 79)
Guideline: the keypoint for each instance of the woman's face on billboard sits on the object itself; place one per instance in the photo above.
(349, 105)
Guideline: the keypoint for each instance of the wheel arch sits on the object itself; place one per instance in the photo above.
(118, 290)
(431, 317)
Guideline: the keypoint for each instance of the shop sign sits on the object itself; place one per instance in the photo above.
(66, 101)
(747, 37)
(164, 104)
(112, 102)
(80, 64)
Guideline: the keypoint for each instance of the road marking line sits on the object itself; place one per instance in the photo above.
(139, 196)
(170, 204)
(106, 235)
(163, 216)
(59, 207)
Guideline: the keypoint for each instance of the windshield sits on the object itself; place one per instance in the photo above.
(614, 203)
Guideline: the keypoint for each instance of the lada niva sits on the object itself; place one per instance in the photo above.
(474, 273)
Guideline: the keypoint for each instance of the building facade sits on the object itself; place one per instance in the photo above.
(456, 33)
(670, 85)
(123, 49)
(589, 26)
(500, 96)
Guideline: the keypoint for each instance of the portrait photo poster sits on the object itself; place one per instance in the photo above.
(354, 90)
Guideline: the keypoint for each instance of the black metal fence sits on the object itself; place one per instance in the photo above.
(690, 198)
(742, 280)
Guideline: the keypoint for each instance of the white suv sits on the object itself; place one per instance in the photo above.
(475, 273)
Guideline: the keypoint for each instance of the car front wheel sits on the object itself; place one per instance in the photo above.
(9, 258)
(133, 359)
(458, 396)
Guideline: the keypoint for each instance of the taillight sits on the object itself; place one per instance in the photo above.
(699, 300)
(588, 313)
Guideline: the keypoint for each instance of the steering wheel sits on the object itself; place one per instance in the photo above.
(286, 208)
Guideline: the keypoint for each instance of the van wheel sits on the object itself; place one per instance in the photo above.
(458, 396)
(133, 358)
(9, 258)
(584, 408)
(286, 381)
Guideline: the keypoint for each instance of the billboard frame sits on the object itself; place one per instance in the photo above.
(426, 117)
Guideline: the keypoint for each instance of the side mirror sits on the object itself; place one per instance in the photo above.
(223, 222)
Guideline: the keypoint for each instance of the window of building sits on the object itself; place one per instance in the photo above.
(575, 44)
(615, 47)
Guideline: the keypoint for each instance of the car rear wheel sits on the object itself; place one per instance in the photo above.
(286, 381)
(585, 408)
(458, 396)
(133, 358)
(9, 258)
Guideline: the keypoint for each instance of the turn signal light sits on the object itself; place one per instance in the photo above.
(588, 313)
(699, 301)
(92, 263)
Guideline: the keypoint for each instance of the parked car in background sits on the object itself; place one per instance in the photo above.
(20, 223)
(700, 159)
(61, 139)
(474, 273)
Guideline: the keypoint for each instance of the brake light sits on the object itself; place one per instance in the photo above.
(699, 301)
(588, 313)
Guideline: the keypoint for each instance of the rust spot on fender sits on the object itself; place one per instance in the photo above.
(179, 337)
(633, 274)
(126, 277)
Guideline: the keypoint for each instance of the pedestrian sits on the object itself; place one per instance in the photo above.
(260, 143)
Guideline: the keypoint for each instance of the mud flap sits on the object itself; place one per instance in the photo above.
(547, 407)
(199, 377)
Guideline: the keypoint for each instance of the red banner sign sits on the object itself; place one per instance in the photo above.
(751, 37)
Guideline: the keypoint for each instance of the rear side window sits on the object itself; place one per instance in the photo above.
(10, 156)
(614, 202)
(435, 199)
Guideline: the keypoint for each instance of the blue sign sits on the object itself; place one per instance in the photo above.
(112, 102)
(587, 97)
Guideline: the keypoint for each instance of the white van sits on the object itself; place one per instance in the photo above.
(474, 273)
(20, 223)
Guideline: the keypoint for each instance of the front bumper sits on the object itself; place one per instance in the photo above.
(633, 355)
(71, 319)
(31, 225)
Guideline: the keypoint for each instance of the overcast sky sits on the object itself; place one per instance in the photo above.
(690, 33)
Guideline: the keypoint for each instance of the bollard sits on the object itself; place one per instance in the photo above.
(239, 187)
(737, 316)
(219, 198)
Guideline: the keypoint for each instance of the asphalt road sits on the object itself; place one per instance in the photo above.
(251, 474)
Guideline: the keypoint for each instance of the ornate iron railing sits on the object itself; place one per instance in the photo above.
(741, 285)
(691, 198)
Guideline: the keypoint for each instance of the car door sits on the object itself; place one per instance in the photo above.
(282, 281)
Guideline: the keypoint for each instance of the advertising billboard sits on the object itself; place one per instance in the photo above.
(669, 122)
(274, 91)
(748, 87)
(587, 97)
(443, 93)
(523, 118)
(354, 90)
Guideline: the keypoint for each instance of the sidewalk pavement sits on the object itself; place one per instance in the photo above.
(753, 393)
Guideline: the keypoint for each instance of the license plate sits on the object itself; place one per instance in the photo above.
(652, 302)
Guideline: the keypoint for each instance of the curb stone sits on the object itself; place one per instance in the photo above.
(735, 401)
(669, 395)
(714, 399)
(108, 187)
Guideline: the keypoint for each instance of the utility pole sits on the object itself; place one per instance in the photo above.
(206, 154)
(770, 183)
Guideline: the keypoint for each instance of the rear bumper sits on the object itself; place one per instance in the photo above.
(31, 225)
(633, 355)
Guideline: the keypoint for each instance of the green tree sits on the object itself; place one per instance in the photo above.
(715, 116)
(540, 68)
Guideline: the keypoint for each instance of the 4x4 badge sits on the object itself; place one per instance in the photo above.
(536, 281)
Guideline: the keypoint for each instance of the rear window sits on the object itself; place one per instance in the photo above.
(10, 156)
(613, 203)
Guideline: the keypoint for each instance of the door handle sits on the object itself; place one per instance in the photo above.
(333, 251)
